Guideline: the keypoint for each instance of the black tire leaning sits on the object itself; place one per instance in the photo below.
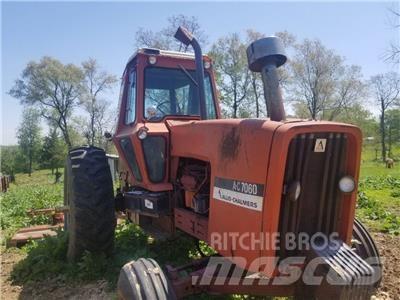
(144, 280)
(365, 247)
(88, 191)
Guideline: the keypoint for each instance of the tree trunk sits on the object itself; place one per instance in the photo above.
(92, 123)
(383, 135)
(256, 96)
(390, 142)
(30, 163)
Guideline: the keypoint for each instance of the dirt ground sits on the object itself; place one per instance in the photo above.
(389, 247)
(50, 289)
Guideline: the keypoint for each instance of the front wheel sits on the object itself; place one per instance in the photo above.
(365, 247)
(88, 192)
(144, 280)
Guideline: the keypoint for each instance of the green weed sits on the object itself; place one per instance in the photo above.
(48, 256)
(379, 196)
(19, 199)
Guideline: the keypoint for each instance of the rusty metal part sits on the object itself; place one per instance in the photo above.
(265, 56)
(22, 236)
(191, 223)
(48, 211)
(345, 274)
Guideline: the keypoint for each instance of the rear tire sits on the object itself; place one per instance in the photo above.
(365, 247)
(88, 191)
(144, 280)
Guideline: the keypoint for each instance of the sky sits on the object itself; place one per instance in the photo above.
(74, 31)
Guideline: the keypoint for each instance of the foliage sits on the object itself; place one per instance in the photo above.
(361, 117)
(386, 90)
(53, 152)
(393, 53)
(53, 88)
(12, 160)
(321, 81)
(33, 193)
(378, 198)
(229, 55)
(96, 83)
(29, 139)
(48, 256)
(164, 39)
(255, 94)
(392, 127)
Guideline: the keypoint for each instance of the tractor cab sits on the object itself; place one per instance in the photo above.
(157, 86)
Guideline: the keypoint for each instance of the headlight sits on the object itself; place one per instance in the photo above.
(294, 190)
(152, 60)
(347, 184)
(142, 132)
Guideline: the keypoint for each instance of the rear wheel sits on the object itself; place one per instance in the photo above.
(144, 280)
(365, 247)
(88, 192)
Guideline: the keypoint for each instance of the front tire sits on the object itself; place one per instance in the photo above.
(88, 191)
(365, 247)
(144, 280)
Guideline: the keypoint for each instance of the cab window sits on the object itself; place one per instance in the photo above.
(174, 92)
(131, 98)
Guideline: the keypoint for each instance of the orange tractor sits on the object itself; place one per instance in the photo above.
(274, 197)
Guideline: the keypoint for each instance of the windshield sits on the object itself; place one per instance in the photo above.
(173, 92)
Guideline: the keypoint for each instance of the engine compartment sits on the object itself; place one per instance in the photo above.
(193, 184)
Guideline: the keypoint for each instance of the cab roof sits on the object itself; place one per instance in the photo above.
(154, 51)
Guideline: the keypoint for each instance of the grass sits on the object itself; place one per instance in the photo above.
(379, 194)
(48, 257)
(35, 192)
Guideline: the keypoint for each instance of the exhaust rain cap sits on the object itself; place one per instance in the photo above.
(264, 52)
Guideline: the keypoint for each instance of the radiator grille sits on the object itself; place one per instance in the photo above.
(317, 209)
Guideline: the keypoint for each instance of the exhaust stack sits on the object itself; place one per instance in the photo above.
(266, 56)
(185, 37)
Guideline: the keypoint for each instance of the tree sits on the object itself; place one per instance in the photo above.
(9, 160)
(386, 88)
(29, 136)
(164, 39)
(96, 83)
(256, 84)
(288, 41)
(53, 152)
(321, 80)
(393, 129)
(234, 78)
(393, 53)
(53, 88)
(349, 90)
(362, 118)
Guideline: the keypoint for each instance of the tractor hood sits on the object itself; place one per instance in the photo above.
(247, 159)
(228, 144)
